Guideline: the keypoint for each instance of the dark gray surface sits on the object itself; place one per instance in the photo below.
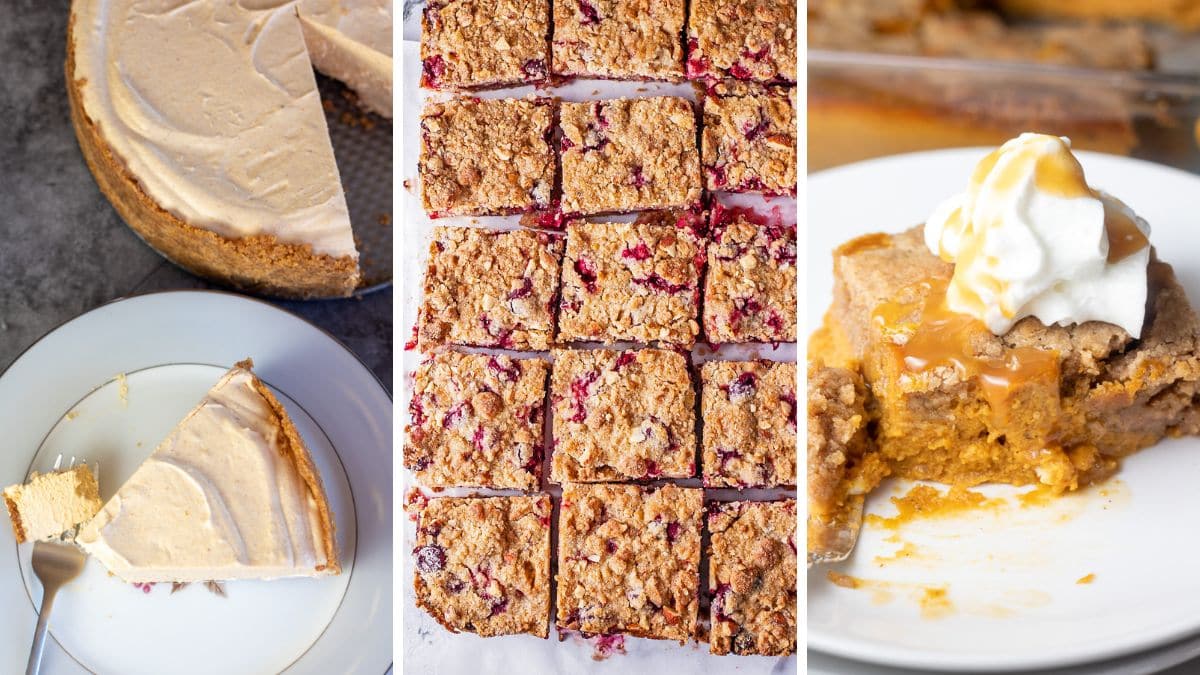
(63, 249)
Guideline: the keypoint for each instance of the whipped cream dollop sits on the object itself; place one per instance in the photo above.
(1029, 237)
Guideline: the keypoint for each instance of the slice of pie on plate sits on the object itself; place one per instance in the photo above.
(231, 493)
(203, 125)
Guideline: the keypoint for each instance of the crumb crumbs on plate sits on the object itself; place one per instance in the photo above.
(1086, 579)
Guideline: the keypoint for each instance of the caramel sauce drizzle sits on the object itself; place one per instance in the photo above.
(939, 337)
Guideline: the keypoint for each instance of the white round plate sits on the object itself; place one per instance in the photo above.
(1010, 574)
(60, 397)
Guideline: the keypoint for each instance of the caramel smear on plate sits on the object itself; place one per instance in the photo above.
(926, 501)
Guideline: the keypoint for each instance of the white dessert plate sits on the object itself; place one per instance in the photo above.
(60, 397)
(1010, 574)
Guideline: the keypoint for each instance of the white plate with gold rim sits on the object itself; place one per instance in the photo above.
(1011, 598)
(59, 397)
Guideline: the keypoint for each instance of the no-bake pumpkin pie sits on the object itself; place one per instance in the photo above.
(975, 370)
(225, 165)
(230, 493)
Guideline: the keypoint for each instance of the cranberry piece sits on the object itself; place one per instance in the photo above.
(625, 359)
(639, 252)
(652, 469)
(739, 72)
(417, 411)
(743, 386)
(552, 220)
(567, 144)
(790, 399)
(503, 339)
(775, 322)
(432, 71)
(607, 645)
(579, 391)
(589, 14)
(754, 131)
(656, 282)
(637, 178)
(456, 414)
(412, 341)
(672, 532)
(697, 66)
(477, 438)
(610, 546)
(743, 307)
(587, 274)
(455, 585)
(725, 456)
(499, 607)
(420, 463)
(757, 56)
(524, 291)
(430, 558)
(534, 69)
(718, 175)
(509, 370)
(718, 602)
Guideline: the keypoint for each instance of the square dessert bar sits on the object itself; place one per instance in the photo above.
(748, 141)
(477, 421)
(473, 44)
(490, 288)
(486, 157)
(743, 40)
(629, 560)
(482, 564)
(752, 578)
(619, 39)
(631, 281)
(629, 154)
(1056, 405)
(749, 414)
(750, 285)
(622, 415)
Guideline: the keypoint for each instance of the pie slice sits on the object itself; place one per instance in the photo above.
(203, 125)
(52, 503)
(231, 493)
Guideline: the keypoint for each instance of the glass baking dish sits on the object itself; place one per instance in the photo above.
(863, 105)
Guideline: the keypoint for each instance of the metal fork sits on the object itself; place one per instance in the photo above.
(54, 565)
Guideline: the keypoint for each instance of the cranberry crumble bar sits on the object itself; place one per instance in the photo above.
(619, 39)
(631, 281)
(469, 44)
(477, 421)
(629, 154)
(621, 415)
(750, 285)
(749, 413)
(483, 564)
(752, 578)
(486, 157)
(629, 560)
(743, 40)
(748, 142)
(490, 288)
